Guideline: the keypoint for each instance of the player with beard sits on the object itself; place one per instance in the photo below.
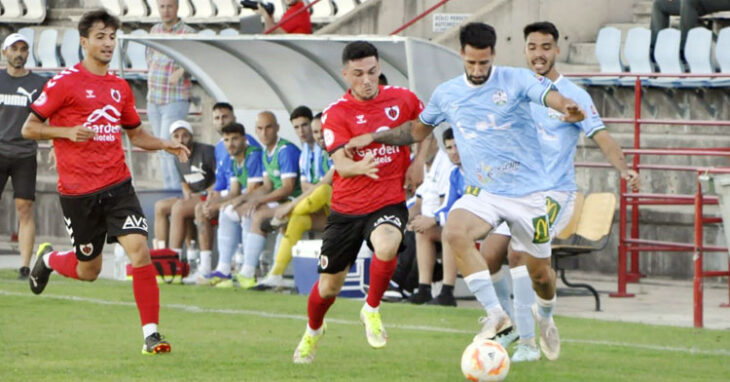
(558, 140)
(86, 108)
(504, 173)
(18, 89)
(368, 200)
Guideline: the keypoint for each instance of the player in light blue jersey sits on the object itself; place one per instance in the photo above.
(504, 173)
(558, 140)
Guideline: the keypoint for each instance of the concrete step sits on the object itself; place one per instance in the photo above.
(569, 67)
(625, 27)
(582, 53)
(643, 7)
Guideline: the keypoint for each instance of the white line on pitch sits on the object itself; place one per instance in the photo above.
(257, 313)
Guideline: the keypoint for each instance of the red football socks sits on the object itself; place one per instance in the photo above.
(146, 293)
(64, 263)
(317, 307)
(380, 274)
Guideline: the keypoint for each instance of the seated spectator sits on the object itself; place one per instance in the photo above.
(428, 234)
(689, 12)
(206, 211)
(281, 184)
(310, 209)
(198, 175)
(244, 175)
(295, 19)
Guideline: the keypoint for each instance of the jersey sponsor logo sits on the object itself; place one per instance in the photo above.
(85, 249)
(554, 114)
(491, 124)
(542, 230)
(391, 219)
(382, 153)
(135, 222)
(324, 261)
(329, 136)
(116, 95)
(26, 93)
(106, 131)
(361, 119)
(90, 93)
(553, 210)
(500, 97)
(392, 112)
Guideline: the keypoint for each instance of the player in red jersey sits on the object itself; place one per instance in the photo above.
(87, 108)
(368, 200)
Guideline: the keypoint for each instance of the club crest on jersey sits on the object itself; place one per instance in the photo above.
(116, 96)
(500, 97)
(42, 99)
(361, 119)
(392, 112)
(86, 249)
(329, 137)
(323, 261)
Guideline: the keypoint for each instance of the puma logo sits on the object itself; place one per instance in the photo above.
(25, 93)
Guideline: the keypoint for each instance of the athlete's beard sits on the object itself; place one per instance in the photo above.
(364, 98)
(548, 67)
(17, 62)
(478, 80)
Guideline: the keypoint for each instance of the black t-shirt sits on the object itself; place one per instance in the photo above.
(199, 171)
(16, 95)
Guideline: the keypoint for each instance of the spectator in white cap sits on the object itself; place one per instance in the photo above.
(18, 89)
(197, 179)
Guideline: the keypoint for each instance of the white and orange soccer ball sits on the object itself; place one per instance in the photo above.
(485, 361)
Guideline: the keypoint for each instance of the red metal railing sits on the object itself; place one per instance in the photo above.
(633, 244)
(420, 16)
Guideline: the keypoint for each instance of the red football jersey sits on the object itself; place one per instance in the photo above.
(104, 104)
(348, 118)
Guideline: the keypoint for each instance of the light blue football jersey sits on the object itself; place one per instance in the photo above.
(494, 130)
(559, 139)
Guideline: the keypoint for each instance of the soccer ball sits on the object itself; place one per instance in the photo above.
(485, 361)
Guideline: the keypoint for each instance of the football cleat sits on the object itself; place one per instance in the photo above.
(40, 274)
(269, 282)
(493, 325)
(507, 338)
(549, 336)
(155, 344)
(374, 330)
(307, 348)
(525, 353)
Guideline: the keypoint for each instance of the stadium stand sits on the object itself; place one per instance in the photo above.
(636, 51)
(70, 47)
(184, 10)
(204, 12)
(324, 11)
(228, 32)
(29, 33)
(12, 9)
(227, 10)
(608, 54)
(154, 16)
(666, 55)
(698, 54)
(112, 6)
(136, 11)
(47, 52)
